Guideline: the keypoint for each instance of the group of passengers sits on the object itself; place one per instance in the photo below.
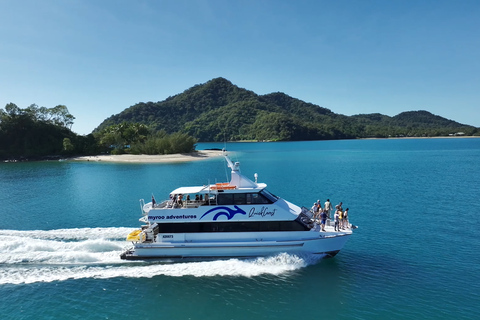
(323, 214)
(341, 218)
(177, 200)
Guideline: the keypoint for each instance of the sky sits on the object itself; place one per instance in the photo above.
(350, 56)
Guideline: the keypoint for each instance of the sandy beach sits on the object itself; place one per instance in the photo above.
(145, 158)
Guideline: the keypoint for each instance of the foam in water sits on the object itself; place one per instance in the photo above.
(57, 255)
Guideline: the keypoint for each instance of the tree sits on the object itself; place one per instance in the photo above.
(118, 136)
(12, 110)
(67, 145)
(60, 116)
(35, 132)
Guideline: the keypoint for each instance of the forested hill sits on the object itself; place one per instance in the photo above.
(219, 110)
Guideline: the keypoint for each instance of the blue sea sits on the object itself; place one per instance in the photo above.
(415, 255)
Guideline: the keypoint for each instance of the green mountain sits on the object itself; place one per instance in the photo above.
(219, 110)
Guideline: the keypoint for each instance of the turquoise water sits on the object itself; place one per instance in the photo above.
(415, 255)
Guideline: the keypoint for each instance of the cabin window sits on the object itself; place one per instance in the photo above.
(225, 199)
(239, 198)
(241, 226)
(258, 198)
(244, 198)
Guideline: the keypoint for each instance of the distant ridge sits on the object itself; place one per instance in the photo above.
(219, 110)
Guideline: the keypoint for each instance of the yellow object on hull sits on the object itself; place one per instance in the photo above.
(134, 235)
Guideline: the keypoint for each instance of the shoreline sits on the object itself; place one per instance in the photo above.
(183, 157)
(146, 158)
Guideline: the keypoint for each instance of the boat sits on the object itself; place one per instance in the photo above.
(236, 219)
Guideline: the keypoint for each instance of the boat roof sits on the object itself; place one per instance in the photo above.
(189, 190)
(204, 189)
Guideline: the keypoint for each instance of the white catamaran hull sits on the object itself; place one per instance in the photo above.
(322, 245)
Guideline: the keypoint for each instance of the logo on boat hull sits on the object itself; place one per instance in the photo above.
(224, 211)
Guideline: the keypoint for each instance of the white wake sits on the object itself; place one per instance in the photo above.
(58, 255)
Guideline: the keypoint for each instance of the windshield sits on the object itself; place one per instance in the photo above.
(269, 195)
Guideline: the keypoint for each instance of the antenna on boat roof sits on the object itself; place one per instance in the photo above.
(224, 141)
(224, 154)
(153, 200)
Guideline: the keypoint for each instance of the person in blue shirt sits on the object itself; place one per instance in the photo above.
(323, 218)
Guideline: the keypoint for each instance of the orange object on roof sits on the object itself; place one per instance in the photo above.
(223, 186)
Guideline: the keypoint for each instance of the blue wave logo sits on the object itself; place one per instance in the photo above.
(224, 211)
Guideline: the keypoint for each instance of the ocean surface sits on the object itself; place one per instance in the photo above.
(415, 255)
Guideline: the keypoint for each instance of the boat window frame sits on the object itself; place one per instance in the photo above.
(244, 198)
(234, 226)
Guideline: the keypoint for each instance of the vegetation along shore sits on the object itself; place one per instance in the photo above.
(214, 111)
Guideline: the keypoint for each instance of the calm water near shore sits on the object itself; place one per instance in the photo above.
(414, 256)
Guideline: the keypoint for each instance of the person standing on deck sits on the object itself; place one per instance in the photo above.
(339, 206)
(337, 221)
(180, 200)
(328, 208)
(340, 218)
(319, 205)
(345, 219)
(315, 211)
(323, 219)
